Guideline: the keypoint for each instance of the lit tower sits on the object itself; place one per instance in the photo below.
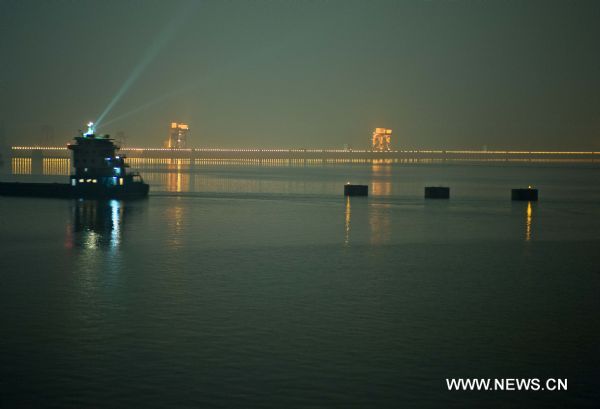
(382, 139)
(178, 133)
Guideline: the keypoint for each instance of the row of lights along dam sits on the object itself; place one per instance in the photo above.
(177, 146)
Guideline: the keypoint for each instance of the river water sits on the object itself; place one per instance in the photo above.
(262, 286)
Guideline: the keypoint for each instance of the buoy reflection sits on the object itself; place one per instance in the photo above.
(348, 215)
(528, 221)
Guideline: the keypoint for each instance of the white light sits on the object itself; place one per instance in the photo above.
(90, 130)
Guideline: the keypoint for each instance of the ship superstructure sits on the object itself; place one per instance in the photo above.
(99, 170)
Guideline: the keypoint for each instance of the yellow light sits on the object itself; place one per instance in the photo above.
(528, 222)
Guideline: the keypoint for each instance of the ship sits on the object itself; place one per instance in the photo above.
(99, 173)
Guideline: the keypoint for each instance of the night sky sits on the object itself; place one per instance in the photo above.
(442, 74)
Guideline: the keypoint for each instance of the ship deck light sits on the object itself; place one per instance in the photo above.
(90, 130)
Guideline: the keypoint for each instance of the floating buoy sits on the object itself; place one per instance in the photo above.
(437, 192)
(529, 194)
(356, 190)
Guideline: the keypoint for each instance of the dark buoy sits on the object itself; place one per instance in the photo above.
(437, 192)
(530, 194)
(356, 190)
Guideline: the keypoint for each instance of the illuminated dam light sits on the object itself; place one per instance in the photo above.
(354, 151)
(21, 166)
(178, 135)
(381, 140)
(147, 157)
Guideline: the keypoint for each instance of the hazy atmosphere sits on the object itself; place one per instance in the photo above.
(295, 74)
(291, 204)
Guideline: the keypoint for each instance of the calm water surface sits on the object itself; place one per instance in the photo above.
(262, 286)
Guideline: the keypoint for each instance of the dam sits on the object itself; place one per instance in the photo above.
(319, 154)
(56, 160)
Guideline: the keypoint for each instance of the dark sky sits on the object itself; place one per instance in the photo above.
(266, 73)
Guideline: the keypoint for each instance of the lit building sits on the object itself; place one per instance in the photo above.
(382, 139)
(178, 133)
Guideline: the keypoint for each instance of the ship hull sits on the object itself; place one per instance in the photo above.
(66, 191)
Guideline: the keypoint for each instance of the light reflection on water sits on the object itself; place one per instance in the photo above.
(528, 221)
(116, 220)
(175, 222)
(381, 184)
(177, 180)
(380, 223)
(348, 217)
(96, 224)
